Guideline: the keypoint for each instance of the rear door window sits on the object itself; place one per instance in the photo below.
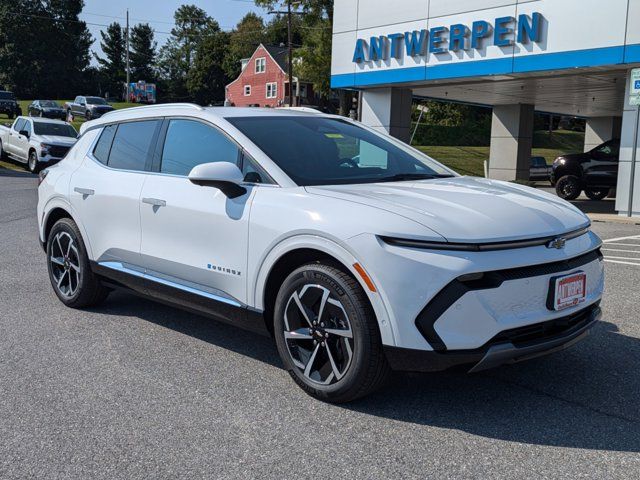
(132, 145)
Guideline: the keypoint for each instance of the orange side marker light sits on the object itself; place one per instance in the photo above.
(362, 272)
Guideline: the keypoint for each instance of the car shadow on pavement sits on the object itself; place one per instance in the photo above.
(203, 328)
(5, 172)
(586, 397)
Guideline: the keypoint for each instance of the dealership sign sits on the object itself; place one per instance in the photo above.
(504, 32)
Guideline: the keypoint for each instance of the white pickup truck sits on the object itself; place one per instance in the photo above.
(37, 142)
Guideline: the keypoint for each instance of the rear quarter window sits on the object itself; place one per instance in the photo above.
(103, 146)
(132, 144)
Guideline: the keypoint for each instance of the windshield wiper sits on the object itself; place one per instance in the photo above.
(400, 177)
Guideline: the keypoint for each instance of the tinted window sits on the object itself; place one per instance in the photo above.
(314, 150)
(49, 104)
(96, 101)
(254, 173)
(7, 96)
(190, 143)
(610, 149)
(19, 124)
(131, 145)
(101, 151)
(58, 129)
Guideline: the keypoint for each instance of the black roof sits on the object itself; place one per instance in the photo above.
(279, 54)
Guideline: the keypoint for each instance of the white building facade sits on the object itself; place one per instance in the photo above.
(569, 57)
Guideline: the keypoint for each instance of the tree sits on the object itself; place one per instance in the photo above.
(176, 56)
(142, 57)
(113, 66)
(207, 79)
(43, 31)
(243, 41)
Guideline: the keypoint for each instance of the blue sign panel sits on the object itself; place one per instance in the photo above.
(504, 31)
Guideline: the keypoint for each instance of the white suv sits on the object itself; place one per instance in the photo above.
(357, 253)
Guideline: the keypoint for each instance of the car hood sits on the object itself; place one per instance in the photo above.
(468, 209)
(576, 156)
(57, 140)
(99, 107)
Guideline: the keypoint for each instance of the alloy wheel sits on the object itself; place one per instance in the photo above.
(33, 162)
(65, 264)
(318, 335)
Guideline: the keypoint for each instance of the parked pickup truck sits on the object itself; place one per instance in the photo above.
(88, 107)
(37, 142)
(9, 105)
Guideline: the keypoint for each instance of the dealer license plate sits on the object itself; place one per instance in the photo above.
(569, 290)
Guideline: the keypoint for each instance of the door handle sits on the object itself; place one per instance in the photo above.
(156, 202)
(84, 191)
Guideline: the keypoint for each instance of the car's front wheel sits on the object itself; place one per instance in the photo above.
(596, 193)
(69, 272)
(327, 334)
(568, 187)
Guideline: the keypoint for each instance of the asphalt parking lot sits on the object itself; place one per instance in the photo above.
(138, 390)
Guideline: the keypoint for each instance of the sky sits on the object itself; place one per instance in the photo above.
(159, 14)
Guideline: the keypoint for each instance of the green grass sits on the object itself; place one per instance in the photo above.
(470, 160)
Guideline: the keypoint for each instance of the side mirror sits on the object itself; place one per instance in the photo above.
(224, 176)
(24, 133)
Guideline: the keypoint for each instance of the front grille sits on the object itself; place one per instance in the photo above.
(58, 151)
(540, 332)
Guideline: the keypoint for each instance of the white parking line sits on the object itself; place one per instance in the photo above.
(629, 241)
(632, 237)
(622, 263)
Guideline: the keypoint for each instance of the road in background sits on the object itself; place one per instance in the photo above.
(135, 389)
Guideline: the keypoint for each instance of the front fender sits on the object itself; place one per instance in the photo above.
(331, 247)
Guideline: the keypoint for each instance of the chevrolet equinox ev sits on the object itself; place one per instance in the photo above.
(358, 254)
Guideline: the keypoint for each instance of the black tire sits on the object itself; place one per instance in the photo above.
(597, 193)
(87, 115)
(359, 360)
(89, 291)
(32, 162)
(2, 154)
(568, 187)
(10, 116)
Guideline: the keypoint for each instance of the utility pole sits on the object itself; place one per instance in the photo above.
(290, 35)
(289, 13)
(128, 70)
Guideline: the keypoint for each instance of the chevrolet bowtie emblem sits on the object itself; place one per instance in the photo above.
(557, 243)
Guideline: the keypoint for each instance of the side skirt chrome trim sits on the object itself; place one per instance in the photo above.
(122, 268)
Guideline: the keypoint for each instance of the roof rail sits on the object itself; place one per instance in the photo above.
(300, 109)
(159, 105)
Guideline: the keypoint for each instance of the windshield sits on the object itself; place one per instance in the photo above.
(49, 103)
(7, 96)
(328, 151)
(58, 129)
(96, 101)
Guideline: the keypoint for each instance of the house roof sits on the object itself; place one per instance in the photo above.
(279, 54)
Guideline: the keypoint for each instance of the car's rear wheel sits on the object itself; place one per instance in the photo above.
(327, 334)
(69, 272)
(568, 187)
(2, 154)
(597, 193)
(32, 163)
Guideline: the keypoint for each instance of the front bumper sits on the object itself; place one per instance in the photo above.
(508, 347)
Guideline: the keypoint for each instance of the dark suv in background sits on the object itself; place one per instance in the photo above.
(9, 105)
(595, 172)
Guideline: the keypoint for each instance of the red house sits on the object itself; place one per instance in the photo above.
(264, 81)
